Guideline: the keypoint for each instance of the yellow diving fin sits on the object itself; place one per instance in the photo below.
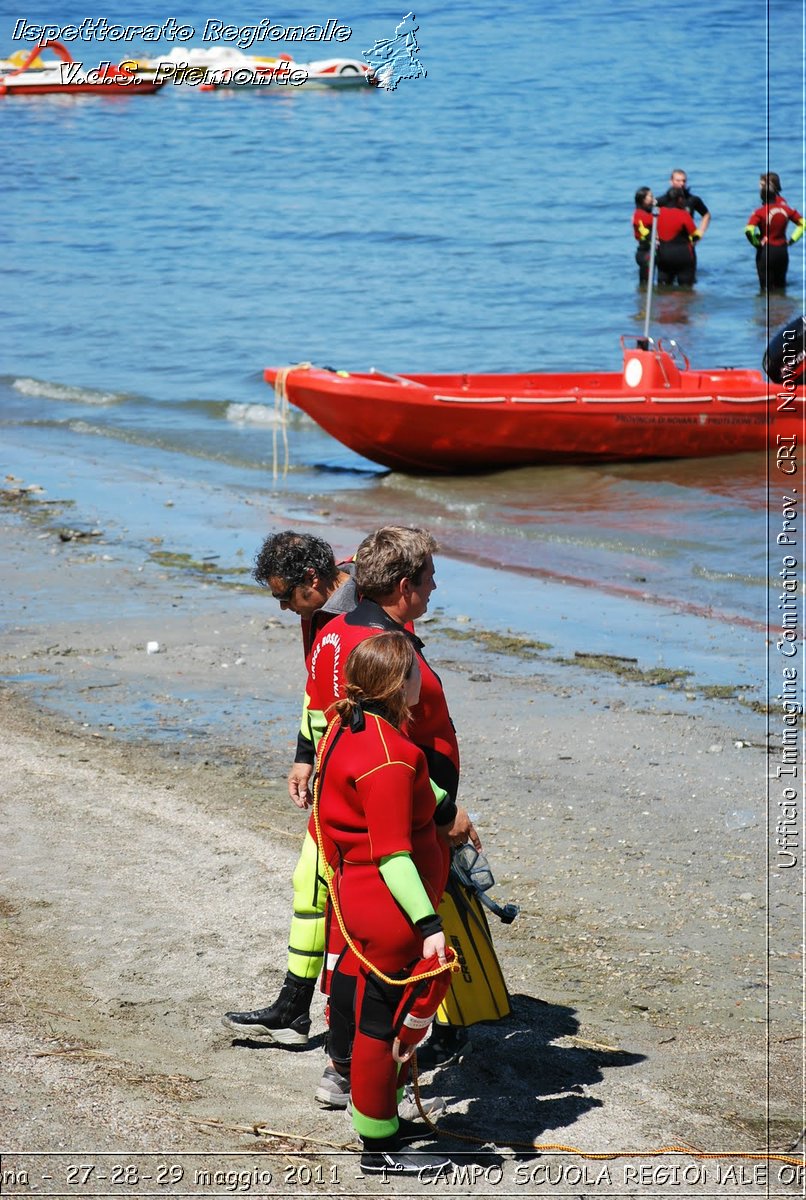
(478, 992)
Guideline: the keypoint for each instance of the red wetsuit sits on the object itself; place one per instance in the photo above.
(375, 800)
(676, 261)
(342, 600)
(430, 728)
(642, 217)
(772, 256)
(675, 224)
(772, 220)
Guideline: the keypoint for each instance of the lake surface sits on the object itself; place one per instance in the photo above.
(160, 251)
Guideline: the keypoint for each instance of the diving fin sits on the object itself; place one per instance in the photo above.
(478, 992)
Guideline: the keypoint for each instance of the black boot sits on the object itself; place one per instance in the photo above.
(448, 1044)
(384, 1156)
(287, 1021)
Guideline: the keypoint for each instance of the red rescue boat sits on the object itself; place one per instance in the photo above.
(69, 78)
(657, 407)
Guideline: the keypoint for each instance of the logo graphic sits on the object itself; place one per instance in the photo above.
(393, 59)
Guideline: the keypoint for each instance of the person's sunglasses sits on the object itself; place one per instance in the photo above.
(284, 597)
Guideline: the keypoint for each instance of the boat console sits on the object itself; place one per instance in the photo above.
(649, 365)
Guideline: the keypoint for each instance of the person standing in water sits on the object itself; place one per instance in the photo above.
(766, 229)
(694, 206)
(642, 220)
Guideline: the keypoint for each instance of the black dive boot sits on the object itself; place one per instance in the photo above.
(287, 1021)
(448, 1044)
(385, 1157)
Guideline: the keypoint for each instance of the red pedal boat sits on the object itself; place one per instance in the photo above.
(69, 78)
(657, 407)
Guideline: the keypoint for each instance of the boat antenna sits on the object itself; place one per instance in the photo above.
(643, 344)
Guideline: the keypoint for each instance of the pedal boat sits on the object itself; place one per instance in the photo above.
(211, 68)
(67, 77)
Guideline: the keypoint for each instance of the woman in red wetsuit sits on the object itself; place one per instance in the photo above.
(376, 806)
(766, 230)
(642, 220)
(676, 235)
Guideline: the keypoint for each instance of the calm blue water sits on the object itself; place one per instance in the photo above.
(160, 251)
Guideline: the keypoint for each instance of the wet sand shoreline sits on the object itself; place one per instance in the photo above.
(145, 516)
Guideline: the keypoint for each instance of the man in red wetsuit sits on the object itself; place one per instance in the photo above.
(766, 230)
(394, 572)
(395, 577)
(301, 572)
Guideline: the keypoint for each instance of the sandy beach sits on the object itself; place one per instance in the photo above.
(147, 855)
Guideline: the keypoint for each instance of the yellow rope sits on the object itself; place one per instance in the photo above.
(281, 413)
(705, 1154)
